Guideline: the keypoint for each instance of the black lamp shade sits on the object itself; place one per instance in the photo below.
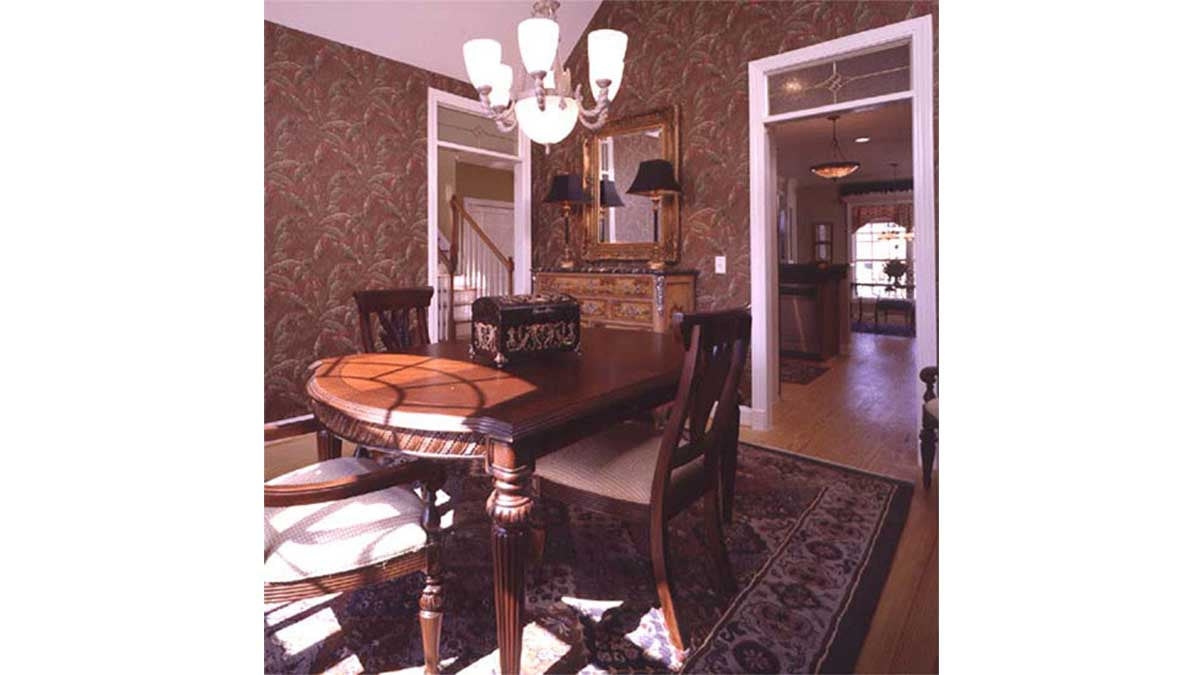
(609, 195)
(654, 177)
(567, 188)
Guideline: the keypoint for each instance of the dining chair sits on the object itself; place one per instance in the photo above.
(403, 318)
(402, 315)
(646, 477)
(345, 523)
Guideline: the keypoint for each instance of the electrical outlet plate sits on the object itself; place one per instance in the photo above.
(720, 264)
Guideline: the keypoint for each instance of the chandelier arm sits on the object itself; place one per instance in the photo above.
(506, 123)
(505, 118)
(599, 121)
(485, 98)
(602, 102)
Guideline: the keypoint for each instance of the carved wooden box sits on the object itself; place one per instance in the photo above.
(508, 326)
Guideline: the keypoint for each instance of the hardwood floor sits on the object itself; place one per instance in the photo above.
(864, 413)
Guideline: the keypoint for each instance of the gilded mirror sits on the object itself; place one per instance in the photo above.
(619, 225)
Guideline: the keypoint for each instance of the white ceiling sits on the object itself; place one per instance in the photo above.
(427, 34)
(802, 143)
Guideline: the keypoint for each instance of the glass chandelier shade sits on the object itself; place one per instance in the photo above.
(612, 88)
(606, 59)
(839, 168)
(482, 56)
(501, 81)
(538, 39)
(550, 125)
(544, 103)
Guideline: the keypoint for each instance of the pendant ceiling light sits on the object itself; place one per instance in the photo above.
(543, 104)
(839, 168)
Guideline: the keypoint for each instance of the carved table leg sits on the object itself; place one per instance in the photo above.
(432, 601)
(510, 507)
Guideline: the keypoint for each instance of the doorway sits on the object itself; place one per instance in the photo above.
(478, 201)
(838, 77)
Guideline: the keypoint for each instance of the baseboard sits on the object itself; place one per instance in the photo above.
(755, 418)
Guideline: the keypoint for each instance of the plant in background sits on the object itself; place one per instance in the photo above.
(895, 269)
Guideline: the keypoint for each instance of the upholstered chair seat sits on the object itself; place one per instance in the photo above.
(348, 522)
(329, 537)
(618, 463)
(645, 475)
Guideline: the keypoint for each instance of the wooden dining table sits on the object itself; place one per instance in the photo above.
(533, 407)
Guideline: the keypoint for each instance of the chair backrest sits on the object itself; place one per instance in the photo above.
(716, 345)
(402, 314)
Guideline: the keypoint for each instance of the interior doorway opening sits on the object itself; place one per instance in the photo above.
(881, 71)
(476, 235)
(846, 257)
(478, 209)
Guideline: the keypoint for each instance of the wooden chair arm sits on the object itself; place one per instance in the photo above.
(929, 375)
(289, 428)
(352, 486)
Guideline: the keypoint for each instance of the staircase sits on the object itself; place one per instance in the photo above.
(464, 295)
(470, 266)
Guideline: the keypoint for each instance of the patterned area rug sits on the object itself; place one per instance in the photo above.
(900, 330)
(800, 371)
(811, 545)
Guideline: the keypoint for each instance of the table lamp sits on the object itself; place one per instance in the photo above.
(566, 189)
(655, 178)
(609, 198)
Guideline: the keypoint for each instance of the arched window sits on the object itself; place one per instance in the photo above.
(875, 244)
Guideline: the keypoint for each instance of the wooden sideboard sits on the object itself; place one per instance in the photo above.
(623, 298)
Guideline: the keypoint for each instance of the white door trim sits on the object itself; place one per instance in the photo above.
(522, 197)
(764, 300)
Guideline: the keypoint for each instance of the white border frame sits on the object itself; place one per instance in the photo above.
(522, 197)
(764, 271)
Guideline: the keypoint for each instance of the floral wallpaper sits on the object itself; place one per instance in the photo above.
(345, 196)
(695, 54)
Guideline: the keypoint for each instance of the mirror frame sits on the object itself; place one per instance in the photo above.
(670, 212)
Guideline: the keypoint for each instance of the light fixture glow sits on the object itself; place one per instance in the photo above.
(550, 125)
(501, 81)
(538, 40)
(863, 139)
(839, 168)
(482, 56)
(606, 59)
(544, 101)
(612, 88)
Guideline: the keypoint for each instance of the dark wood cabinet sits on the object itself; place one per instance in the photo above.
(812, 301)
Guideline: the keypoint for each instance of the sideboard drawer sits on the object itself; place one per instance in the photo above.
(635, 299)
(631, 310)
(593, 308)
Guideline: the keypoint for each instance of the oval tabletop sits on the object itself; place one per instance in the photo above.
(438, 388)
